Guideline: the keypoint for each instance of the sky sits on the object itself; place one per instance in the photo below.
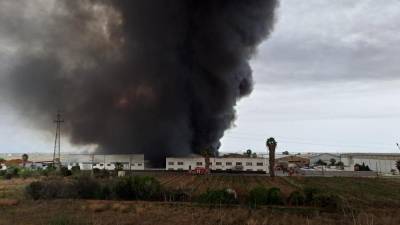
(327, 80)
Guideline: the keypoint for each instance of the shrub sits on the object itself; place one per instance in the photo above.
(180, 195)
(258, 195)
(137, 188)
(328, 201)
(12, 172)
(309, 193)
(98, 173)
(274, 196)
(65, 172)
(86, 187)
(34, 190)
(51, 189)
(75, 169)
(25, 173)
(296, 198)
(217, 197)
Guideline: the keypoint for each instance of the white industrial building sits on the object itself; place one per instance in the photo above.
(378, 162)
(108, 162)
(218, 163)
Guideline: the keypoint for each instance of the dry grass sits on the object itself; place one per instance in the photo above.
(15, 210)
(124, 213)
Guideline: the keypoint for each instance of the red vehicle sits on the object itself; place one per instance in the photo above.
(199, 171)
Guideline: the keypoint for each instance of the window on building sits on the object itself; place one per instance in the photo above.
(101, 164)
(180, 168)
(108, 164)
(94, 164)
(218, 163)
(249, 163)
(229, 163)
(238, 163)
(171, 163)
(180, 163)
(199, 163)
(249, 170)
(139, 164)
(260, 164)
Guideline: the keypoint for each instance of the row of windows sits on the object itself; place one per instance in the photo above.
(219, 169)
(181, 163)
(101, 164)
(239, 164)
(219, 163)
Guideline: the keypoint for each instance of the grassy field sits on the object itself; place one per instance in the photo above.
(372, 200)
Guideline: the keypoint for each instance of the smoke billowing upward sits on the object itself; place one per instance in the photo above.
(158, 77)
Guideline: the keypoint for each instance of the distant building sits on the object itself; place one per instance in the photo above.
(324, 157)
(378, 162)
(218, 163)
(292, 161)
(105, 161)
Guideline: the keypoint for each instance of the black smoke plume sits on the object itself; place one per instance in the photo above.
(159, 77)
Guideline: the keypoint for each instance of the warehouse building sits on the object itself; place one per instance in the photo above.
(218, 163)
(378, 162)
(105, 161)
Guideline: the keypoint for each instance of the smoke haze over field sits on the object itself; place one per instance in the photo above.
(146, 76)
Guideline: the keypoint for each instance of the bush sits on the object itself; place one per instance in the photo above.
(65, 172)
(258, 195)
(296, 198)
(87, 187)
(177, 195)
(137, 188)
(328, 201)
(75, 169)
(12, 172)
(309, 193)
(98, 173)
(34, 190)
(274, 196)
(25, 173)
(217, 197)
(51, 189)
(264, 196)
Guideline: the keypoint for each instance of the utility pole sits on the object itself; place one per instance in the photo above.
(57, 141)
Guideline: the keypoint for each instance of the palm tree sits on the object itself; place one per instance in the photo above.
(271, 144)
(25, 158)
(206, 153)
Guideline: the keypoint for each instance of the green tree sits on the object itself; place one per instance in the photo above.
(320, 163)
(398, 165)
(333, 161)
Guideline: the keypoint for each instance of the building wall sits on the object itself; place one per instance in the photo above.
(377, 163)
(184, 163)
(108, 162)
(245, 164)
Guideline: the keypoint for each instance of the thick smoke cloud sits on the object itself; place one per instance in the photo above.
(158, 77)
